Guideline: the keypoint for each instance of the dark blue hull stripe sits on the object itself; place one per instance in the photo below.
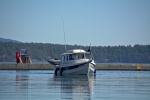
(92, 64)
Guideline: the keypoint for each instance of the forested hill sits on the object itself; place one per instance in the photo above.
(8, 40)
(41, 52)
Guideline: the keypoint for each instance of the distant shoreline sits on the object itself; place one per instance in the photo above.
(121, 67)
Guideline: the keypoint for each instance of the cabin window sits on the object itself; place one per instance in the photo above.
(88, 56)
(81, 56)
(72, 57)
(67, 57)
(63, 58)
(76, 56)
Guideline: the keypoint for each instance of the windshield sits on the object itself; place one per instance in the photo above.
(76, 56)
(79, 56)
(88, 56)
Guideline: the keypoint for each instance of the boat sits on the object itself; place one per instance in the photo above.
(54, 61)
(76, 61)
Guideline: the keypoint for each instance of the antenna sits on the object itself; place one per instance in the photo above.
(64, 34)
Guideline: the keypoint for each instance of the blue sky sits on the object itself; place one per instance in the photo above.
(99, 22)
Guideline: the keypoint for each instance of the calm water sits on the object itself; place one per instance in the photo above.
(106, 85)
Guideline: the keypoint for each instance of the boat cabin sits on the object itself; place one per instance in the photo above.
(75, 55)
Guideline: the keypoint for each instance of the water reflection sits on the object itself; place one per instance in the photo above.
(22, 84)
(43, 85)
(76, 87)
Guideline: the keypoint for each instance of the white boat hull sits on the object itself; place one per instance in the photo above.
(80, 69)
(91, 69)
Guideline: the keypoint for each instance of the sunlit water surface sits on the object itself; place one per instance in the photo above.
(106, 85)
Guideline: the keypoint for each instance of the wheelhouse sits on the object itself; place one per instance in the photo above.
(75, 55)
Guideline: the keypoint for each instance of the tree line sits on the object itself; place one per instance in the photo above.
(102, 54)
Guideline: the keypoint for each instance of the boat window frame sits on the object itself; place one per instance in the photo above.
(88, 56)
(63, 58)
(67, 57)
(71, 56)
(81, 55)
(77, 56)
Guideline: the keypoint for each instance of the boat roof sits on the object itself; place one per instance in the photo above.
(74, 51)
